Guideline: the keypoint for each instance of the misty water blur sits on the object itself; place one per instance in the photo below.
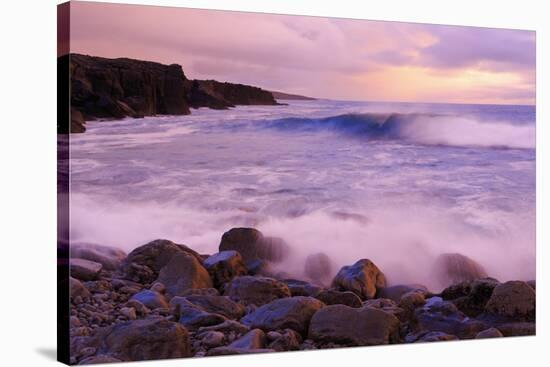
(396, 183)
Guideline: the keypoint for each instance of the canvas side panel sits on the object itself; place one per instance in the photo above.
(63, 224)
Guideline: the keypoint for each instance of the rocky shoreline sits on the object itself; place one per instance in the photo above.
(165, 300)
(103, 88)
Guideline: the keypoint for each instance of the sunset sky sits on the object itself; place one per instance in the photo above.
(319, 57)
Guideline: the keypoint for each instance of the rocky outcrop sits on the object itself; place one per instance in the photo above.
(103, 88)
(220, 95)
(362, 278)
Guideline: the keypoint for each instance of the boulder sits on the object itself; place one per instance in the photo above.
(332, 297)
(471, 296)
(288, 339)
(318, 267)
(144, 263)
(436, 336)
(514, 299)
(109, 257)
(252, 245)
(518, 328)
(301, 288)
(254, 339)
(147, 339)
(395, 292)
(346, 325)
(77, 289)
(222, 305)
(183, 272)
(362, 278)
(444, 316)
(224, 266)
(286, 313)
(455, 268)
(150, 299)
(193, 316)
(256, 290)
(489, 333)
(84, 269)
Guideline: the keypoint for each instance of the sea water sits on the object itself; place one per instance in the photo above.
(396, 183)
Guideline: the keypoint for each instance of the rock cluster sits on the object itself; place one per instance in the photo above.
(164, 300)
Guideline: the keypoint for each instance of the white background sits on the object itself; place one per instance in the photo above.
(28, 179)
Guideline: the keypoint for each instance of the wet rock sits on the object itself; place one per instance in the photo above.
(318, 267)
(518, 328)
(455, 268)
(515, 299)
(226, 351)
(436, 336)
(287, 340)
(183, 272)
(84, 269)
(225, 327)
(254, 339)
(222, 305)
(395, 292)
(144, 340)
(256, 290)
(286, 313)
(150, 299)
(362, 278)
(444, 316)
(489, 333)
(109, 257)
(353, 326)
(145, 262)
(471, 296)
(332, 297)
(301, 288)
(100, 359)
(77, 289)
(224, 266)
(251, 244)
(213, 339)
(193, 316)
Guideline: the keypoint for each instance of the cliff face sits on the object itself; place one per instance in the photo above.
(117, 88)
(218, 95)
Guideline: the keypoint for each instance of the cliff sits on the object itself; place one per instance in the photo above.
(281, 95)
(118, 88)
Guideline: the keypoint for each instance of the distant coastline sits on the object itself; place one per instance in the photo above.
(104, 88)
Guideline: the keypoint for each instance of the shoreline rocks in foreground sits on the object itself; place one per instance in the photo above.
(164, 300)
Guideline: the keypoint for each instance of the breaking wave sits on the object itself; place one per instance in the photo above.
(425, 129)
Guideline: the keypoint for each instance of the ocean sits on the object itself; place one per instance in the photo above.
(398, 183)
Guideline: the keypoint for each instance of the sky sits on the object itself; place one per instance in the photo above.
(333, 58)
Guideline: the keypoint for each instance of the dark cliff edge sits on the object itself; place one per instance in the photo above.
(288, 96)
(103, 88)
